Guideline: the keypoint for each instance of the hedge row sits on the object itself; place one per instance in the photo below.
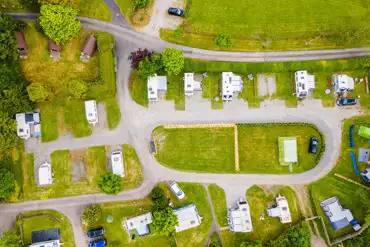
(269, 125)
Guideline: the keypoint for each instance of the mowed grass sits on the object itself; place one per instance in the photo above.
(95, 9)
(175, 90)
(270, 228)
(348, 194)
(134, 173)
(255, 141)
(218, 197)
(45, 220)
(113, 113)
(196, 149)
(211, 89)
(262, 25)
(138, 89)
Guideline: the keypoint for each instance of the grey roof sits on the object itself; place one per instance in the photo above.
(46, 235)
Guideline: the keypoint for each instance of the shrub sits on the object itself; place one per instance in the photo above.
(137, 56)
(91, 214)
(110, 183)
(139, 4)
(164, 221)
(40, 92)
(223, 41)
(150, 66)
(77, 89)
(158, 198)
(7, 184)
(173, 60)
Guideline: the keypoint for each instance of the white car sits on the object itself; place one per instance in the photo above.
(177, 190)
(117, 163)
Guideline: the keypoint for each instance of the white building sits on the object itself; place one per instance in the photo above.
(156, 84)
(91, 111)
(304, 83)
(117, 163)
(28, 124)
(342, 83)
(45, 174)
(139, 223)
(281, 210)
(239, 218)
(231, 84)
(188, 217)
(191, 84)
(52, 243)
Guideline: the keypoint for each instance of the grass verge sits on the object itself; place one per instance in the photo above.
(134, 177)
(218, 197)
(113, 113)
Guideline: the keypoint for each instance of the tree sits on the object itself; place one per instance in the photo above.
(158, 198)
(72, 3)
(173, 60)
(296, 236)
(110, 183)
(164, 221)
(150, 66)
(59, 22)
(7, 184)
(359, 241)
(137, 56)
(40, 92)
(8, 137)
(7, 37)
(251, 244)
(223, 41)
(77, 89)
(139, 4)
(10, 239)
(91, 214)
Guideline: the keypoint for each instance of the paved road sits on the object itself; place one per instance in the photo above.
(117, 17)
(150, 42)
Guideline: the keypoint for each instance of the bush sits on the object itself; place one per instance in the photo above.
(110, 183)
(139, 4)
(7, 184)
(158, 198)
(173, 60)
(137, 56)
(150, 66)
(77, 89)
(40, 92)
(179, 32)
(296, 236)
(91, 214)
(164, 221)
(223, 40)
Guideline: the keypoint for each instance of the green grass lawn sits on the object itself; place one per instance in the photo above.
(255, 140)
(175, 90)
(284, 89)
(214, 240)
(349, 194)
(256, 25)
(219, 204)
(136, 17)
(113, 113)
(202, 149)
(138, 89)
(250, 93)
(270, 228)
(75, 118)
(134, 173)
(211, 89)
(45, 220)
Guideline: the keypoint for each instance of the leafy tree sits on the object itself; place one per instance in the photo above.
(137, 56)
(223, 40)
(173, 60)
(150, 66)
(158, 198)
(110, 183)
(164, 221)
(296, 236)
(15, 100)
(139, 4)
(8, 137)
(40, 92)
(359, 241)
(77, 89)
(59, 22)
(7, 184)
(251, 244)
(73, 3)
(91, 214)
(7, 37)
(10, 239)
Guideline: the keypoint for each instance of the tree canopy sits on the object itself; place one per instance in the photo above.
(7, 37)
(110, 183)
(77, 89)
(158, 198)
(150, 66)
(59, 22)
(296, 236)
(40, 92)
(91, 214)
(7, 184)
(173, 60)
(73, 3)
(251, 244)
(137, 56)
(10, 239)
(164, 221)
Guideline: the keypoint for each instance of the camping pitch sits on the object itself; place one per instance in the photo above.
(288, 150)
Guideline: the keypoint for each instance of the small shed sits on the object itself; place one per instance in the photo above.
(55, 49)
(288, 150)
(364, 132)
(22, 47)
(89, 48)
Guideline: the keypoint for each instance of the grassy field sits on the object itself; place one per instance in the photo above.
(197, 236)
(349, 194)
(270, 228)
(219, 204)
(203, 149)
(256, 140)
(175, 90)
(211, 89)
(133, 168)
(45, 220)
(113, 113)
(255, 25)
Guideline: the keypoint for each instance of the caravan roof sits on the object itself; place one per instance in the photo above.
(45, 174)
(117, 163)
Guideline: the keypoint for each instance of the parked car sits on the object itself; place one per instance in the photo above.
(177, 190)
(314, 145)
(97, 232)
(346, 101)
(98, 243)
(176, 11)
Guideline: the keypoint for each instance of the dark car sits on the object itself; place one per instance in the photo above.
(314, 145)
(98, 243)
(93, 233)
(176, 11)
(346, 101)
